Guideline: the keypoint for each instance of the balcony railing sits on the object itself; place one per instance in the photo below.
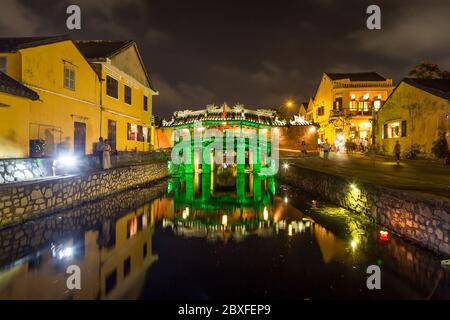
(349, 113)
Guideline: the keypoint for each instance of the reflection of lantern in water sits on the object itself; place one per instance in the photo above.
(185, 213)
(265, 214)
(224, 220)
(384, 235)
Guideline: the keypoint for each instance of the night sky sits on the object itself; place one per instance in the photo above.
(258, 53)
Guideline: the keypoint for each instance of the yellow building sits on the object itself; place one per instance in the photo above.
(413, 114)
(15, 104)
(307, 110)
(86, 89)
(126, 93)
(67, 113)
(345, 103)
(303, 109)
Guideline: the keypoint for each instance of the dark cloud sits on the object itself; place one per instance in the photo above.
(253, 52)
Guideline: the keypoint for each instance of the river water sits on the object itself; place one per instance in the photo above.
(213, 237)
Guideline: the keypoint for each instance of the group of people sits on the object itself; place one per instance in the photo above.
(103, 151)
(326, 148)
(355, 145)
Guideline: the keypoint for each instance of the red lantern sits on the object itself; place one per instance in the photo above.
(384, 235)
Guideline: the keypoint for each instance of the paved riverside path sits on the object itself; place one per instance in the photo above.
(430, 178)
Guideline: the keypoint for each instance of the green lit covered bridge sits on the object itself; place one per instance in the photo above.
(238, 126)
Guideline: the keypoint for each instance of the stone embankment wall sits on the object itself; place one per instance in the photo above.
(421, 219)
(22, 239)
(14, 170)
(22, 201)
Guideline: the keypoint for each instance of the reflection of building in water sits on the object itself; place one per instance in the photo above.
(220, 205)
(113, 262)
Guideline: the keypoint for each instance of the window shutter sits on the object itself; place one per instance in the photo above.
(128, 131)
(385, 129)
(404, 128)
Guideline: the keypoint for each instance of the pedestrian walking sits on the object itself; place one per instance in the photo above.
(106, 155)
(99, 152)
(397, 150)
(326, 149)
(303, 151)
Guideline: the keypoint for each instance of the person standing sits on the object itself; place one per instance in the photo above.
(106, 155)
(326, 149)
(303, 151)
(397, 150)
(99, 151)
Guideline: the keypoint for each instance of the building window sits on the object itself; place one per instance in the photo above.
(338, 103)
(403, 130)
(111, 281)
(126, 267)
(394, 129)
(140, 134)
(144, 251)
(353, 105)
(132, 131)
(321, 111)
(363, 105)
(145, 103)
(3, 64)
(69, 78)
(112, 87)
(127, 94)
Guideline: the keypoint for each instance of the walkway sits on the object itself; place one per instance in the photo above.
(425, 177)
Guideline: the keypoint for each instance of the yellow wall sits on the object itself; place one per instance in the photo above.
(424, 114)
(53, 116)
(14, 118)
(123, 113)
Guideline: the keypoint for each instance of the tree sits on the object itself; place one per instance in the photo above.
(440, 145)
(426, 70)
(445, 74)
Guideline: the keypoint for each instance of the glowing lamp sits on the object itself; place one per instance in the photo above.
(224, 220)
(67, 161)
(384, 235)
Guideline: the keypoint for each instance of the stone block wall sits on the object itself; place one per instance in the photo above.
(23, 239)
(421, 219)
(13, 170)
(23, 201)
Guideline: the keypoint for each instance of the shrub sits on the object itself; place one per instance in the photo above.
(440, 146)
(413, 151)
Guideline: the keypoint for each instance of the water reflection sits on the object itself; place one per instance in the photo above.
(113, 259)
(284, 243)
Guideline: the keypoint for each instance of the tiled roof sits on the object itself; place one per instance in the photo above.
(225, 113)
(437, 87)
(14, 44)
(11, 86)
(361, 76)
(305, 105)
(97, 49)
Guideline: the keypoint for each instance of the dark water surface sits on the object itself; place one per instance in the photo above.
(210, 237)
